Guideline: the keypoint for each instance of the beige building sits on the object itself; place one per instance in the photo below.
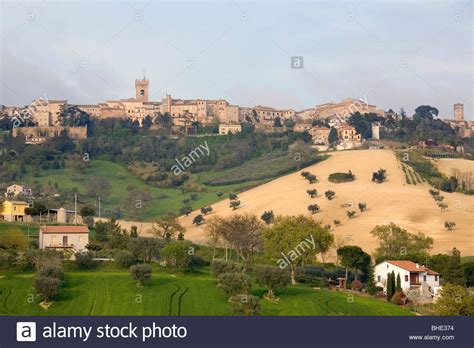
(64, 237)
(16, 190)
(38, 135)
(91, 109)
(229, 128)
(302, 127)
(320, 135)
(46, 112)
(141, 89)
(341, 110)
(459, 112)
(200, 110)
(348, 134)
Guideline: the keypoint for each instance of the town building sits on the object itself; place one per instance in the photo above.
(412, 275)
(39, 134)
(340, 111)
(71, 237)
(14, 210)
(375, 131)
(302, 127)
(229, 128)
(18, 190)
(320, 135)
(459, 112)
(348, 133)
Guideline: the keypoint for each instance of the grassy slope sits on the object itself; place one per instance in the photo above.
(120, 178)
(113, 293)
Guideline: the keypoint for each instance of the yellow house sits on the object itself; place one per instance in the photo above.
(13, 210)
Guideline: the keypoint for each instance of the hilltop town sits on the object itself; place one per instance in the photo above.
(41, 119)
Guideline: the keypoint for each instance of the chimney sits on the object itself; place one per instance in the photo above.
(417, 265)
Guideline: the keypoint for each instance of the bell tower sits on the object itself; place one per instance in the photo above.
(141, 89)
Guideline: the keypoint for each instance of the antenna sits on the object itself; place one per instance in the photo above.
(144, 74)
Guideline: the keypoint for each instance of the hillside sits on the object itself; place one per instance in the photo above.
(114, 293)
(409, 206)
(121, 180)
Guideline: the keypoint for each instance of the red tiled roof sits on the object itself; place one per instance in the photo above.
(65, 229)
(411, 266)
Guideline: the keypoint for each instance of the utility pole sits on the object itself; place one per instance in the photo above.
(75, 208)
(99, 207)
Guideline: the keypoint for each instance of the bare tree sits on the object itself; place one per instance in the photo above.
(243, 233)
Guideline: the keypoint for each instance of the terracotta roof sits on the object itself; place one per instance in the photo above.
(64, 229)
(411, 266)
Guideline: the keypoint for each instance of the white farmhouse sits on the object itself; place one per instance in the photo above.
(16, 190)
(64, 237)
(412, 275)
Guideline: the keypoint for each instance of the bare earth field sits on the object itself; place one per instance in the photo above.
(408, 206)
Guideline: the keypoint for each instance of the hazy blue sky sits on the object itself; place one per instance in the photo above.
(397, 54)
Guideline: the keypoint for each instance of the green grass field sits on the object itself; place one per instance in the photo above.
(163, 200)
(114, 293)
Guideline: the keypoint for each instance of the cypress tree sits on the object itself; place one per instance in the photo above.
(393, 284)
(389, 290)
(399, 283)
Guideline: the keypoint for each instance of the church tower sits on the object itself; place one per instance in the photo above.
(141, 89)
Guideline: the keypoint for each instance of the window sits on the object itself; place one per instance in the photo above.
(378, 278)
(436, 278)
(424, 278)
(64, 240)
(406, 277)
(387, 265)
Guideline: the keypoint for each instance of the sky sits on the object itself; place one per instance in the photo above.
(395, 54)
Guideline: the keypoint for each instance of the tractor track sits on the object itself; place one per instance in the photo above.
(172, 296)
(179, 299)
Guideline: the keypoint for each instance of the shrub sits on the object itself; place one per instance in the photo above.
(219, 266)
(356, 285)
(329, 194)
(206, 210)
(337, 222)
(85, 260)
(312, 178)
(141, 273)
(442, 206)
(313, 208)
(52, 271)
(312, 193)
(197, 262)
(124, 258)
(47, 286)
(379, 176)
(350, 214)
(272, 278)
(268, 217)
(234, 204)
(186, 210)
(234, 283)
(13, 239)
(6, 260)
(244, 304)
(362, 206)
(178, 254)
(233, 196)
(198, 219)
(449, 225)
(399, 298)
(341, 177)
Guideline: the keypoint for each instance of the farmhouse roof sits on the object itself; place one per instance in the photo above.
(64, 229)
(411, 266)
